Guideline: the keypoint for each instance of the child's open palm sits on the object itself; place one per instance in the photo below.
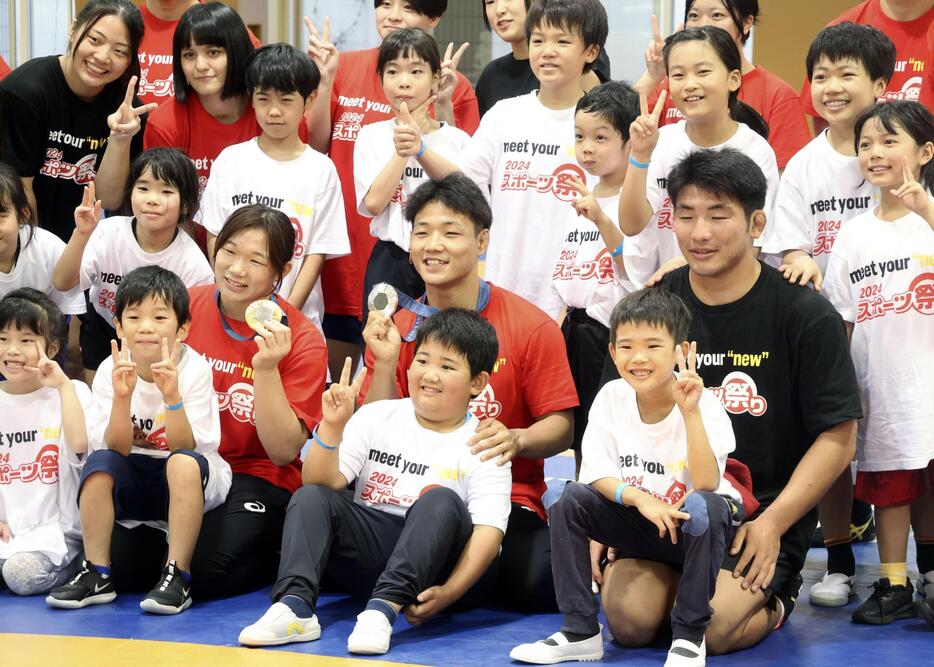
(340, 399)
(689, 386)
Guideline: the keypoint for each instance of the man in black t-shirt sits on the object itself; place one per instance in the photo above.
(776, 355)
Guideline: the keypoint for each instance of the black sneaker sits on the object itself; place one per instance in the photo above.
(886, 604)
(926, 609)
(171, 595)
(87, 587)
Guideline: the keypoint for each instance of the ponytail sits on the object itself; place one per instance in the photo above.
(743, 113)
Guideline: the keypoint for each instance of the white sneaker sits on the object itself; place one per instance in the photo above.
(371, 634)
(684, 653)
(558, 649)
(925, 586)
(280, 625)
(834, 590)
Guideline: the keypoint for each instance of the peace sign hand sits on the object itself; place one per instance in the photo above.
(123, 375)
(125, 122)
(165, 372)
(322, 51)
(88, 214)
(911, 193)
(407, 135)
(643, 132)
(654, 60)
(587, 205)
(689, 386)
(47, 371)
(449, 72)
(340, 399)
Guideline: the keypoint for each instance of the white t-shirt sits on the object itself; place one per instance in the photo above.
(196, 387)
(617, 443)
(584, 274)
(113, 251)
(372, 152)
(881, 279)
(306, 189)
(525, 153)
(395, 458)
(820, 190)
(34, 268)
(673, 146)
(39, 474)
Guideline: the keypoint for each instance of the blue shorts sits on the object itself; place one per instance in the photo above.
(141, 491)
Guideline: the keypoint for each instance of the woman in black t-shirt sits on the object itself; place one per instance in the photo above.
(69, 120)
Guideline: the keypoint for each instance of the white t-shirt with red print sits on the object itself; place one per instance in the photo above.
(820, 191)
(39, 474)
(881, 279)
(148, 412)
(34, 267)
(673, 146)
(394, 459)
(374, 148)
(113, 251)
(306, 189)
(617, 443)
(524, 152)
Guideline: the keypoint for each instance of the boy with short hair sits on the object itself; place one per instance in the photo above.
(156, 457)
(427, 516)
(278, 169)
(523, 149)
(651, 476)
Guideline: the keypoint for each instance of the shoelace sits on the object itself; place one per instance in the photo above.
(78, 576)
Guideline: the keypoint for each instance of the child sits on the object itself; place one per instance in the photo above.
(45, 429)
(523, 150)
(156, 456)
(278, 169)
(28, 253)
(821, 189)
(703, 67)
(879, 279)
(409, 65)
(427, 516)
(651, 476)
(162, 191)
(584, 276)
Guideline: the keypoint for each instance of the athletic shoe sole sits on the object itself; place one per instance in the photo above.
(592, 657)
(309, 636)
(154, 607)
(903, 613)
(828, 600)
(366, 649)
(102, 598)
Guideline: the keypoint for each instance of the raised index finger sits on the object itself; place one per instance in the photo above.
(656, 34)
(309, 26)
(906, 172)
(459, 53)
(692, 357)
(448, 51)
(659, 105)
(130, 90)
(579, 185)
(345, 373)
(165, 349)
(40, 348)
(326, 29)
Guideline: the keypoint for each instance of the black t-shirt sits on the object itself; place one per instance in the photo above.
(50, 134)
(506, 77)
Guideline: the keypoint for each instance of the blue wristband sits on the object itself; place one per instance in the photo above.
(421, 151)
(175, 406)
(619, 492)
(616, 253)
(319, 441)
(639, 165)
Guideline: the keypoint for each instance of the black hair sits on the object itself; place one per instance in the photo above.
(127, 12)
(655, 306)
(13, 200)
(458, 193)
(486, 21)
(215, 24)
(171, 166)
(464, 332)
(408, 43)
(585, 17)
(280, 234)
(913, 118)
(726, 49)
(615, 102)
(738, 10)
(431, 8)
(864, 44)
(283, 68)
(724, 171)
(156, 282)
(28, 309)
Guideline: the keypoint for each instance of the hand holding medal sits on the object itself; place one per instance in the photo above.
(273, 338)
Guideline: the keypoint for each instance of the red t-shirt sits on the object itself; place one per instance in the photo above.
(531, 378)
(357, 99)
(912, 49)
(303, 373)
(155, 58)
(774, 99)
(927, 88)
(4, 68)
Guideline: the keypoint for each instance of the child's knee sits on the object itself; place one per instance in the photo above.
(440, 500)
(24, 574)
(575, 496)
(182, 469)
(312, 497)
